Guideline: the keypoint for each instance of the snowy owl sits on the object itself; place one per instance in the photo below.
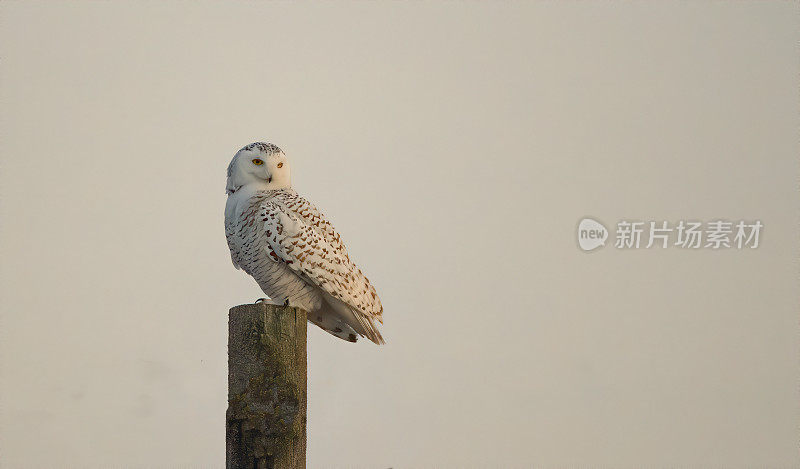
(291, 250)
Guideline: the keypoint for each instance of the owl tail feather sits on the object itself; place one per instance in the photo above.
(333, 325)
(368, 329)
(357, 320)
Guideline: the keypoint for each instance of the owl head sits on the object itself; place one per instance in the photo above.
(261, 164)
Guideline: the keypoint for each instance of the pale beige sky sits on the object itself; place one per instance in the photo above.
(455, 145)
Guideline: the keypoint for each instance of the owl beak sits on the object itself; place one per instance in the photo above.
(269, 176)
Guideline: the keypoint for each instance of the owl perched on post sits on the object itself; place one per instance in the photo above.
(291, 250)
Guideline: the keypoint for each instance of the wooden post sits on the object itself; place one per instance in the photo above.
(266, 418)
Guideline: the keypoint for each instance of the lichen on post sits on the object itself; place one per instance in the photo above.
(266, 418)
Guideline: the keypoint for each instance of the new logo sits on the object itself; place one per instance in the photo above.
(591, 234)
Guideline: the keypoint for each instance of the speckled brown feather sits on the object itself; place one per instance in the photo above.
(281, 238)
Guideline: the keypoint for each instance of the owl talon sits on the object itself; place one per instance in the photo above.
(261, 300)
(286, 303)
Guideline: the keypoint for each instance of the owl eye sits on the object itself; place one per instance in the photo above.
(258, 162)
(280, 165)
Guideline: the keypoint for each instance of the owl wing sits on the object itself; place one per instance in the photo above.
(298, 235)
